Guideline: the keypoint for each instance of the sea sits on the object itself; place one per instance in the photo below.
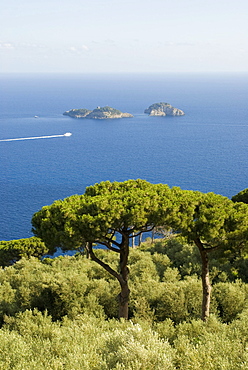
(205, 150)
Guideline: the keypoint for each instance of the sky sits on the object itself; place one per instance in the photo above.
(123, 36)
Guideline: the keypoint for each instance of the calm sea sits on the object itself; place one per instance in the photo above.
(204, 150)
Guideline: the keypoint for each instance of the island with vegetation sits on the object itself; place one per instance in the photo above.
(98, 113)
(163, 109)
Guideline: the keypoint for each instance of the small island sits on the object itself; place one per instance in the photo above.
(98, 113)
(163, 109)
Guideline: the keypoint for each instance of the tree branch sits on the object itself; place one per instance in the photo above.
(202, 247)
(211, 249)
(104, 265)
(108, 245)
(110, 240)
(144, 230)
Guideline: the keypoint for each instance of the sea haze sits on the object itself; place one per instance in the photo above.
(204, 150)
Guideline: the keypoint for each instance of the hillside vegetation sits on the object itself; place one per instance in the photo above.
(61, 313)
(98, 113)
(178, 301)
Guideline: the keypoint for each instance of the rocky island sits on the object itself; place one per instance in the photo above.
(98, 113)
(163, 109)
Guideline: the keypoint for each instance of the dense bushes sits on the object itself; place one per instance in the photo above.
(32, 341)
(160, 286)
(225, 265)
(53, 313)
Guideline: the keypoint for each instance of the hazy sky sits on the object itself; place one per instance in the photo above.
(102, 36)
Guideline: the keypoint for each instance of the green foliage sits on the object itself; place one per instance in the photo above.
(241, 265)
(182, 256)
(77, 113)
(61, 288)
(85, 343)
(242, 196)
(231, 298)
(209, 353)
(107, 109)
(61, 312)
(75, 285)
(212, 222)
(109, 214)
(178, 300)
(98, 113)
(105, 210)
(225, 265)
(32, 340)
(212, 219)
(54, 316)
(142, 267)
(13, 250)
(104, 112)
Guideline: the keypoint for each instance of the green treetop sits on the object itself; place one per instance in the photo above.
(109, 214)
(212, 222)
(13, 250)
(242, 196)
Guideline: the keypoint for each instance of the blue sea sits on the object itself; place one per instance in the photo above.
(204, 150)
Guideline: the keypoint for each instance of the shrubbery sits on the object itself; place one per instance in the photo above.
(163, 286)
(32, 340)
(61, 313)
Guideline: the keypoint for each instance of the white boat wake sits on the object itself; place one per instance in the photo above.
(38, 137)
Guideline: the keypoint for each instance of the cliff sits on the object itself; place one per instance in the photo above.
(98, 113)
(163, 109)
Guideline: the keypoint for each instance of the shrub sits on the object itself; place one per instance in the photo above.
(231, 299)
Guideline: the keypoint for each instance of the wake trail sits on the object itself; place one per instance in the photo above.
(37, 137)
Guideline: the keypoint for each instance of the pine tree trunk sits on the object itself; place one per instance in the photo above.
(123, 302)
(121, 276)
(206, 286)
(124, 273)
